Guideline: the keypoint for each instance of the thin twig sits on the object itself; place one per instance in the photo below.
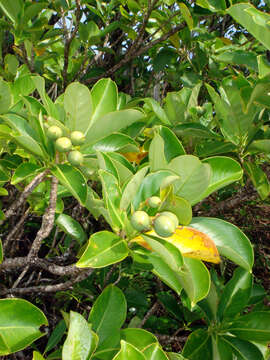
(15, 229)
(149, 313)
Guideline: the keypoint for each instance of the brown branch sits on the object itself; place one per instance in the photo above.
(168, 339)
(16, 229)
(68, 42)
(47, 220)
(49, 288)
(27, 191)
(18, 262)
(129, 56)
(149, 313)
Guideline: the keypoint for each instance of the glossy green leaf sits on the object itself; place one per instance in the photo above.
(139, 338)
(56, 335)
(194, 177)
(196, 130)
(224, 171)
(110, 123)
(78, 342)
(19, 325)
(151, 184)
(105, 163)
(222, 349)
(258, 293)
(255, 21)
(157, 110)
(236, 294)
(24, 171)
(3, 192)
(37, 356)
(172, 145)
(230, 241)
(239, 57)
(258, 178)
(128, 352)
(73, 180)
(175, 356)
(123, 167)
(243, 350)
(209, 305)
(180, 207)
(254, 326)
(261, 146)
(71, 227)
(157, 160)
(108, 313)
(104, 96)
(169, 253)
(204, 148)
(12, 9)
(186, 15)
(5, 99)
(263, 66)
(132, 187)
(155, 352)
(198, 346)
(78, 107)
(114, 142)
(104, 248)
(29, 144)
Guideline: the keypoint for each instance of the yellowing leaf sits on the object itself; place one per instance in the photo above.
(135, 156)
(191, 242)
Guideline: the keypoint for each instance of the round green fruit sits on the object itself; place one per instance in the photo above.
(164, 226)
(75, 158)
(153, 202)
(63, 144)
(140, 220)
(54, 132)
(77, 138)
(171, 216)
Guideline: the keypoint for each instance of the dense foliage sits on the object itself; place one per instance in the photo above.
(118, 122)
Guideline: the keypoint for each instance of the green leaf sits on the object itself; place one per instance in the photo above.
(236, 294)
(198, 346)
(56, 335)
(157, 160)
(230, 241)
(224, 171)
(139, 338)
(78, 342)
(261, 146)
(239, 57)
(194, 177)
(108, 313)
(71, 227)
(154, 352)
(169, 253)
(24, 171)
(114, 142)
(175, 356)
(73, 180)
(186, 15)
(180, 207)
(195, 130)
(132, 187)
(210, 304)
(110, 123)
(19, 325)
(258, 178)
(256, 22)
(254, 326)
(172, 145)
(104, 248)
(37, 356)
(151, 184)
(243, 350)
(78, 107)
(104, 96)
(157, 110)
(205, 148)
(29, 144)
(128, 352)
(12, 9)
(263, 66)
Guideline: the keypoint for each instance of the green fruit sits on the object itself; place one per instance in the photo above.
(63, 144)
(140, 221)
(171, 216)
(75, 158)
(77, 138)
(164, 226)
(54, 132)
(200, 110)
(153, 202)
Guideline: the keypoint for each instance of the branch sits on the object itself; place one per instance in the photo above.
(69, 41)
(49, 288)
(139, 52)
(149, 313)
(15, 229)
(27, 191)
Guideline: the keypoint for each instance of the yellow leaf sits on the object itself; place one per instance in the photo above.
(135, 156)
(191, 242)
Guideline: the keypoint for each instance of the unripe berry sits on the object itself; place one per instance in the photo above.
(164, 226)
(75, 158)
(140, 220)
(54, 132)
(77, 138)
(171, 216)
(63, 144)
(153, 201)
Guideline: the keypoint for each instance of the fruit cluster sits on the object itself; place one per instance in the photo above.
(64, 144)
(164, 223)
